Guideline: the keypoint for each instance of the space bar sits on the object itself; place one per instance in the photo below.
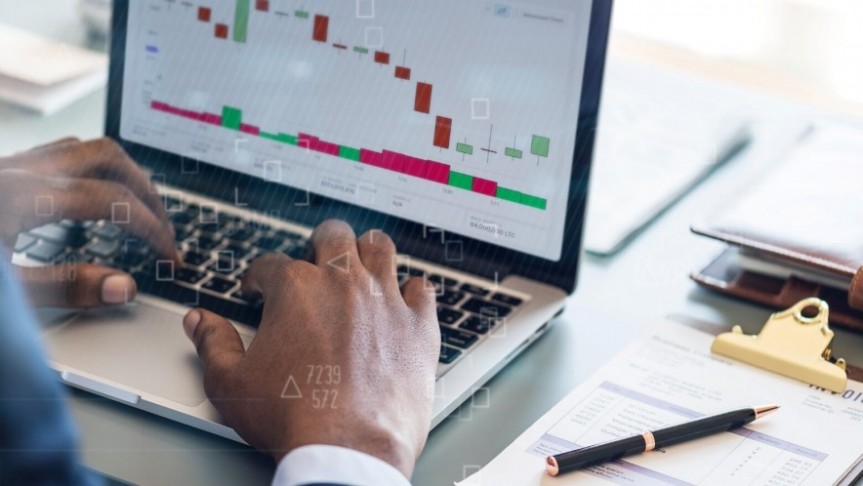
(246, 314)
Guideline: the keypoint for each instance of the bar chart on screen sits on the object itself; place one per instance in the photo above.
(447, 113)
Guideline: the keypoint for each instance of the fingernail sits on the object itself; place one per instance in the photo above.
(191, 321)
(118, 289)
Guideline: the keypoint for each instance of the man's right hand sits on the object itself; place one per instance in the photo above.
(343, 356)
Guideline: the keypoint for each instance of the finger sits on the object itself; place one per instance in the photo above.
(378, 254)
(88, 199)
(77, 286)
(95, 159)
(271, 275)
(56, 143)
(334, 244)
(218, 343)
(419, 295)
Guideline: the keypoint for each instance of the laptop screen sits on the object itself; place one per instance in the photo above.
(459, 114)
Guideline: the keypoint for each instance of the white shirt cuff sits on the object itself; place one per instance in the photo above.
(316, 464)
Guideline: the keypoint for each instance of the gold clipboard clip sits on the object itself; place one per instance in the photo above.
(794, 343)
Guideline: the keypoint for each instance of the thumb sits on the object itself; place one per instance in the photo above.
(217, 341)
(77, 286)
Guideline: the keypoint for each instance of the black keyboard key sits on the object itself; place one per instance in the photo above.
(45, 251)
(439, 279)
(236, 252)
(476, 290)
(224, 266)
(459, 339)
(182, 233)
(130, 259)
(486, 308)
(448, 316)
(448, 355)
(269, 243)
(75, 258)
(195, 259)
(75, 237)
(240, 234)
(183, 218)
(189, 275)
(23, 242)
(297, 252)
(103, 249)
(108, 232)
(507, 299)
(219, 285)
(288, 236)
(205, 243)
(450, 297)
(477, 324)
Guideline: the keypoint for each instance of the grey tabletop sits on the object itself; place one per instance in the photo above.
(617, 298)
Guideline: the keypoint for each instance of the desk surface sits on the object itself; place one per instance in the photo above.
(649, 275)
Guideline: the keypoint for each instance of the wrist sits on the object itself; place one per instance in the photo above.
(385, 445)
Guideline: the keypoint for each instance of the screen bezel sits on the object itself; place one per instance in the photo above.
(415, 239)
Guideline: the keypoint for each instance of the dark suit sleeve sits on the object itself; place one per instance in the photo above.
(38, 443)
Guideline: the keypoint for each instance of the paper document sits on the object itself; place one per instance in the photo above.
(669, 377)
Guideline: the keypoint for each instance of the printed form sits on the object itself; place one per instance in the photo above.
(668, 377)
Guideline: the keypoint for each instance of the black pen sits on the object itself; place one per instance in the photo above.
(648, 441)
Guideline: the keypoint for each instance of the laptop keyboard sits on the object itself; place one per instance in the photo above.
(217, 249)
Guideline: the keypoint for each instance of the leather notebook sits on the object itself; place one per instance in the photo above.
(798, 232)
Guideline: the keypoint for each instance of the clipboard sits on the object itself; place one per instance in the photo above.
(796, 343)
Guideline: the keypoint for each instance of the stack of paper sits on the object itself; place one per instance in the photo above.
(44, 75)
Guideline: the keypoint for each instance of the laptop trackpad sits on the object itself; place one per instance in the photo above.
(140, 346)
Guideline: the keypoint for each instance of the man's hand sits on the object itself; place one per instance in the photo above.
(343, 356)
(82, 181)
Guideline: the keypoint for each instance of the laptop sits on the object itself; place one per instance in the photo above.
(463, 129)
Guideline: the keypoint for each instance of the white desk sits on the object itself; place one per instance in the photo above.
(616, 298)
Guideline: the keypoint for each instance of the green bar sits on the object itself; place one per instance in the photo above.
(462, 181)
(540, 146)
(361, 50)
(241, 20)
(464, 148)
(269, 136)
(349, 153)
(514, 153)
(533, 201)
(288, 139)
(508, 195)
(301, 14)
(231, 118)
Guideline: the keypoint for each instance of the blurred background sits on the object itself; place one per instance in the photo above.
(810, 50)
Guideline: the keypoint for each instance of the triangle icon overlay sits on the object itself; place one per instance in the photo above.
(291, 389)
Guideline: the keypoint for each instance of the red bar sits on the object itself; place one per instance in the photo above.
(382, 57)
(307, 141)
(442, 132)
(250, 129)
(415, 167)
(262, 5)
(422, 103)
(221, 31)
(212, 119)
(403, 73)
(437, 172)
(394, 161)
(325, 147)
(371, 158)
(204, 14)
(158, 105)
(483, 186)
(322, 24)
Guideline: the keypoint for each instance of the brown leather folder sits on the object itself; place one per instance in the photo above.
(806, 216)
